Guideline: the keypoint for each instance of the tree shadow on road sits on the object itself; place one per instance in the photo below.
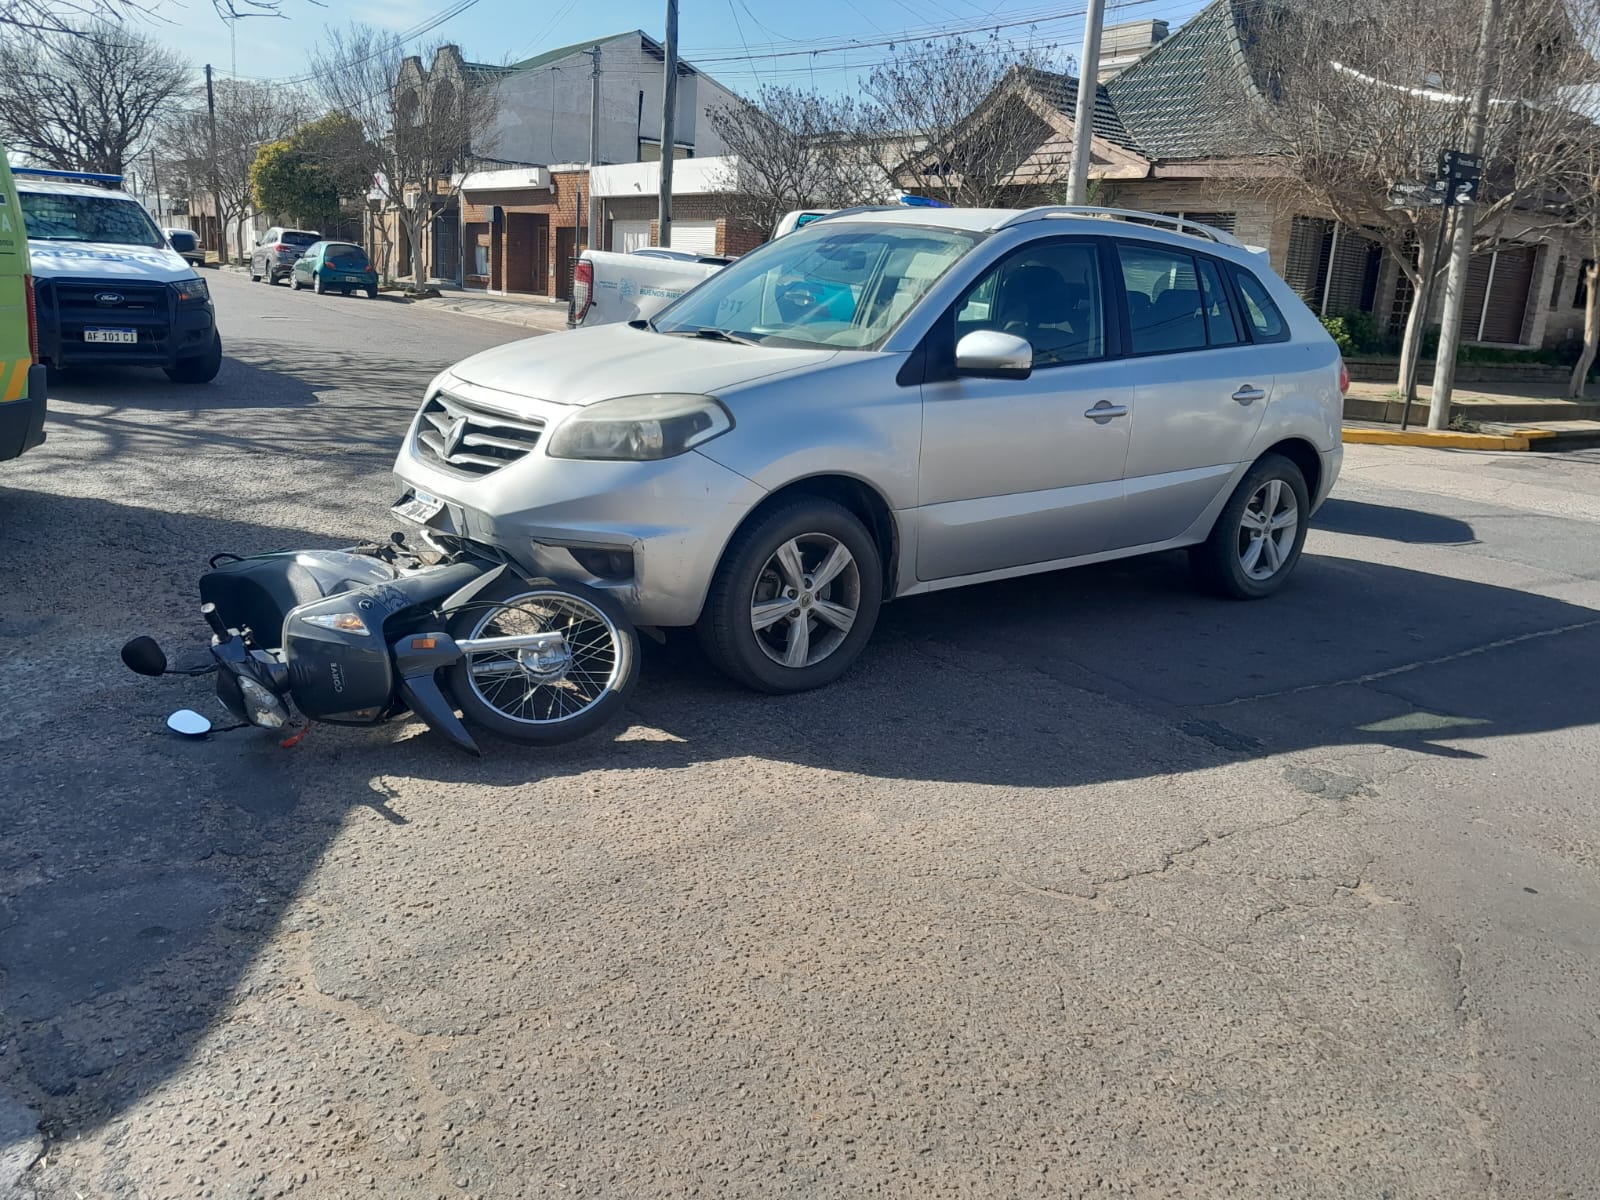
(141, 876)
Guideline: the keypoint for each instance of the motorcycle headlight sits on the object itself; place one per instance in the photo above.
(193, 290)
(261, 707)
(640, 428)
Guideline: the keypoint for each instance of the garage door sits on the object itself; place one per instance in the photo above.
(698, 236)
(627, 236)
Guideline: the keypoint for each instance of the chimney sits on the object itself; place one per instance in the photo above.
(1122, 45)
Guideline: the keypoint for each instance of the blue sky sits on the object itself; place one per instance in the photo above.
(715, 34)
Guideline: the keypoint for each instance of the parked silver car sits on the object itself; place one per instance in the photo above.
(886, 403)
(278, 250)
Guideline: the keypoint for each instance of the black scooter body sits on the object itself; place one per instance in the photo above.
(347, 675)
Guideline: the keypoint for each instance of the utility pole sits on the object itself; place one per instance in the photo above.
(1455, 292)
(1083, 117)
(669, 121)
(216, 188)
(594, 143)
(155, 183)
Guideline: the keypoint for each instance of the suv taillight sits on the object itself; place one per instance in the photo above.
(33, 317)
(282, 248)
(582, 289)
(1344, 378)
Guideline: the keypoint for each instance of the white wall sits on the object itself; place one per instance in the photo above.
(544, 112)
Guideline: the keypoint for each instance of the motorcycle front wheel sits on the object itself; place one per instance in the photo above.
(550, 695)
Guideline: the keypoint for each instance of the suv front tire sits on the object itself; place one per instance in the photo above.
(795, 598)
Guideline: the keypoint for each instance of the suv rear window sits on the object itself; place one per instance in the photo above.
(295, 237)
(1266, 322)
(182, 241)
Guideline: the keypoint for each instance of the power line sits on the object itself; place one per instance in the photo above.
(400, 39)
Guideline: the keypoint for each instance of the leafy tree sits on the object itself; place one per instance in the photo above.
(286, 182)
(336, 145)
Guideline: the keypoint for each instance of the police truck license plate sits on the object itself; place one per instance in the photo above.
(419, 507)
(122, 337)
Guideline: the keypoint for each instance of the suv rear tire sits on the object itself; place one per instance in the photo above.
(1256, 542)
(765, 595)
(199, 368)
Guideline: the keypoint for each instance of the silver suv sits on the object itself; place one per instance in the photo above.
(890, 402)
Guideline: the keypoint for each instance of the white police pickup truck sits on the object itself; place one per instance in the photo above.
(109, 288)
(609, 286)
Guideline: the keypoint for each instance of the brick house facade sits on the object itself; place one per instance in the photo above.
(519, 236)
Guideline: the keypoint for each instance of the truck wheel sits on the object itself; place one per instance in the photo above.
(200, 368)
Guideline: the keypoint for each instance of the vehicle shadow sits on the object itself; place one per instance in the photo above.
(1357, 517)
(142, 876)
(297, 409)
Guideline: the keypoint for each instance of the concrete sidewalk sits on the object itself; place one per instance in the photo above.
(531, 312)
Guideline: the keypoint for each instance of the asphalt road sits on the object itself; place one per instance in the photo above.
(1080, 885)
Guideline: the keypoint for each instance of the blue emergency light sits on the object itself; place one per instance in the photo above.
(922, 202)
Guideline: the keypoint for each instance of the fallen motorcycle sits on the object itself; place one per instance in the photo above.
(362, 636)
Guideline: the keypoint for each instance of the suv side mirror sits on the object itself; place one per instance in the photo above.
(990, 354)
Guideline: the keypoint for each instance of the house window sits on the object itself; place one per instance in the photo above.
(480, 259)
(1333, 268)
(1224, 221)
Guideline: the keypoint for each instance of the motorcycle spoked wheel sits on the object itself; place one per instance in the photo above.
(527, 698)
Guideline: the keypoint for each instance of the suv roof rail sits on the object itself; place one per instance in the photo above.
(1133, 216)
(70, 176)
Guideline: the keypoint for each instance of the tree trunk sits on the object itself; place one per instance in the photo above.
(1416, 320)
(1591, 330)
(415, 227)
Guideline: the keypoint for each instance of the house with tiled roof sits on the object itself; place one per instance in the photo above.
(1175, 131)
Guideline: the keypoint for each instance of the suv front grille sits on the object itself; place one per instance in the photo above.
(471, 439)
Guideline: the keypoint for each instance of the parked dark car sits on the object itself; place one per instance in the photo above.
(187, 245)
(277, 252)
(334, 267)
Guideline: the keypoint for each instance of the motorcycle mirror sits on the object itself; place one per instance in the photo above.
(144, 656)
(189, 723)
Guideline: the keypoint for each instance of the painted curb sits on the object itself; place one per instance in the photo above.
(1444, 439)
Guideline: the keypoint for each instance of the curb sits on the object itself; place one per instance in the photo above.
(1444, 439)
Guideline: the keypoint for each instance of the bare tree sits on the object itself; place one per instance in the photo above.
(249, 115)
(70, 16)
(85, 100)
(424, 127)
(1358, 99)
(794, 149)
(972, 123)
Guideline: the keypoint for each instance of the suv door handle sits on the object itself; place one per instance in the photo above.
(1105, 410)
(1249, 393)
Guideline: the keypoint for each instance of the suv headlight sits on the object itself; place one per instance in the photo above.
(640, 428)
(193, 289)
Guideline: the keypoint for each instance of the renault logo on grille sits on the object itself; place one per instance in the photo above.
(453, 436)
(108, 299)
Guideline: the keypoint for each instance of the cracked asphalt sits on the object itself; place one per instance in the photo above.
(1079, 885)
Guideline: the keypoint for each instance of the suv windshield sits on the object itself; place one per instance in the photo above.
(831, 284)
(66, 217)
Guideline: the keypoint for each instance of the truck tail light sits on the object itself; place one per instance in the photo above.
(33, 317)
(582, 291)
